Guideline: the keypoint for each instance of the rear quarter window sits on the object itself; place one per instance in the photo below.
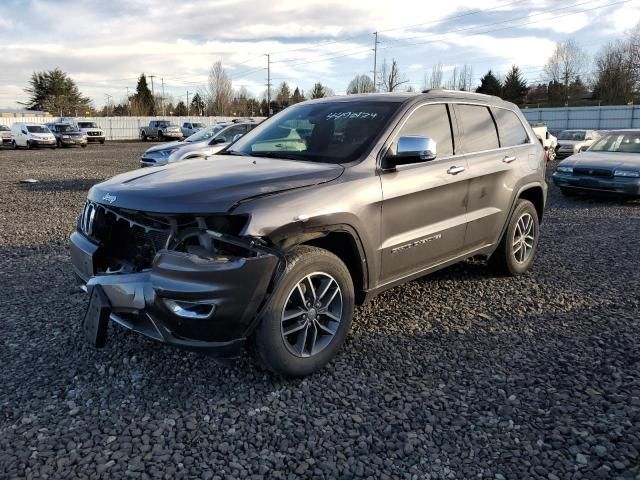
(510, 128)
(478, 130)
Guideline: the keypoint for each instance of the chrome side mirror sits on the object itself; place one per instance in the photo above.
(411, 149)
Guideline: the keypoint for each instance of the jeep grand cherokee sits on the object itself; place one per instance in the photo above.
(273, 242)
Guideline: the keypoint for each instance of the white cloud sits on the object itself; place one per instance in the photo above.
(105, 49)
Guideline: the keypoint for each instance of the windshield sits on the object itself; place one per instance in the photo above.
(37, 129)
(198, 125)
(205, 134)
(65, 128)
(572, 135)
(87, 125)
(619, 142)
(4, 128)
(331, 132)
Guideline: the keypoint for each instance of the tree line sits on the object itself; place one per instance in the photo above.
(570, 77)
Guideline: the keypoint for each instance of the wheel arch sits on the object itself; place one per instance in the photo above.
(344, 242)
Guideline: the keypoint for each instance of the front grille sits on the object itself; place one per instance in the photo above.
(593, 172)
(93, 134)
(128, 241)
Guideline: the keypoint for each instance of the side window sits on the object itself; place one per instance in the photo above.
(510, 128)
(431, 121)
(478, 130)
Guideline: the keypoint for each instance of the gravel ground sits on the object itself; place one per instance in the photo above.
(457, 375)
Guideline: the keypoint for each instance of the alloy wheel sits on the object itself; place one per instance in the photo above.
(311, 315)
(523, 238)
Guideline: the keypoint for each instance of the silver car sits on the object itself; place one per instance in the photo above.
(5, 135)
(199, 145)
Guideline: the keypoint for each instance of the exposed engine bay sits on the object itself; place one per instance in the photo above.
(130, 240)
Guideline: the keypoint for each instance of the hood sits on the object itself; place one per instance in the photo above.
(164, 146)
(612, 160)
(208, 186)
(571, 142)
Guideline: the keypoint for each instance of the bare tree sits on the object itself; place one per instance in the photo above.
(634, 51)
(219, 90)
(361, 84)
(435, 78)
(566, 64)
(465, 78)
(614, 82)
(452, 82)
(391, 76)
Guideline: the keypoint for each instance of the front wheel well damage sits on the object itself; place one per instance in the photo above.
(344, 246)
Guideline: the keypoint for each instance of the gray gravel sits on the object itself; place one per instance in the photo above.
(457, 375)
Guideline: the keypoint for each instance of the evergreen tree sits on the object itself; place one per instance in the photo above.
(298, 96)
(143, 99)
(55, 92)
(319, 91)
(515, 88)
(490, 85)
(197, 105)
(181, 109)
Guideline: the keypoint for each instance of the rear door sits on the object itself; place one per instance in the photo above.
(423, 208)
(496, 144)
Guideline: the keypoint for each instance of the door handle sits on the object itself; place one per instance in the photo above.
(509, 159)
(455, 170)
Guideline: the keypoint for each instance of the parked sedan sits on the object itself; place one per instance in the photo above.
(611, 165)
(199, 145)
(67, 135)
(571, 142)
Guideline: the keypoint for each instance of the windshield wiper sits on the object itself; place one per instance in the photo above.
(233, 152)
(284, 155)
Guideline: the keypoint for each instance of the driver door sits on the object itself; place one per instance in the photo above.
(424, 204)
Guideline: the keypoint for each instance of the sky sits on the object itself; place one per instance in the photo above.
(104, 46)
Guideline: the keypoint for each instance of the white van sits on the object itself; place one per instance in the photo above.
(30, 135)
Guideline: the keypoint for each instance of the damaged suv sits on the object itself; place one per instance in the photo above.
(271, 246)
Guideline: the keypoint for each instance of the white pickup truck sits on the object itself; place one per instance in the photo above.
(549, 142)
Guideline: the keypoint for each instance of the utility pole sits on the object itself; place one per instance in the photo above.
(187, 103)
(162, 100)
(268, 85)
(128, 108)
(108, 98)
(375, 61)
(153, 94)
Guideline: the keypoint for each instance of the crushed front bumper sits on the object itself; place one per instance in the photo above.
(626, 186)
(140, 301)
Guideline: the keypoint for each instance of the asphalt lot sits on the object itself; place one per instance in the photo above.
(457, 375)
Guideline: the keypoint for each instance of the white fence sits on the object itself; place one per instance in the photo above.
(118, 128)
(591, 118)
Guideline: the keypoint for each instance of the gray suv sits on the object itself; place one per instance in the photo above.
(315, 211)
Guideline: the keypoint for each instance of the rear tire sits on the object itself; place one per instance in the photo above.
(519, 244)
(101, 142)
(160, 136)
(316, 293)
(143, 137)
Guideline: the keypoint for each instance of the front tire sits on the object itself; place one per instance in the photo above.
(143, 136)
(309, 315)
(517, 249)
(29, 146)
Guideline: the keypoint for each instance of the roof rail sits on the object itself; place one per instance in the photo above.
(458, 92)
